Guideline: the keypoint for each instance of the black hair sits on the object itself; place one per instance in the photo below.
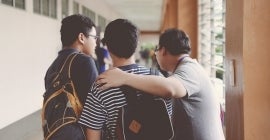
(121, 38)
(175, 41)
(72, 26)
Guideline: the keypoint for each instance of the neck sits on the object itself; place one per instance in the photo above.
(174, 61)
(74, 46)
(117, 62)
(70, 47)
(182, 56)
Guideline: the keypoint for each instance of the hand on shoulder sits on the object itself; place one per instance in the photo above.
(113, 77)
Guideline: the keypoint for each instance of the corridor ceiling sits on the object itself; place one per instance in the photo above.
(146, 14)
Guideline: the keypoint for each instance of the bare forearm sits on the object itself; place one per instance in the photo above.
(93, 134)
(155, 85)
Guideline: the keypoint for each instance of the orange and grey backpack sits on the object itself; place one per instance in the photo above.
(61, 106)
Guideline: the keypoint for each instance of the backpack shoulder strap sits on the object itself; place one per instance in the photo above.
(131, 93)
(64, 72)
(67, 66)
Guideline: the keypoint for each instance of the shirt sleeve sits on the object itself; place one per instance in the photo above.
(84, 75)
(93, 115)
(188, 76)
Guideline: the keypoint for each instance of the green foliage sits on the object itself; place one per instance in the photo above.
(219, 49)
(148, 46)
(219, 73)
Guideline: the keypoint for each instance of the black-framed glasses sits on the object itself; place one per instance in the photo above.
(94, 36)
(157, 48)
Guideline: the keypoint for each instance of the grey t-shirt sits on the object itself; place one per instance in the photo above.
(200, 105)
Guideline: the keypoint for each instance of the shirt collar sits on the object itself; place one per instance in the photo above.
(68, 50)
(128, 67)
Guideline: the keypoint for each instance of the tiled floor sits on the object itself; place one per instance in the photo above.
(28, 128)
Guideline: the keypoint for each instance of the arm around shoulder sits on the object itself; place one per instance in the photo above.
(157, 85)
(92, 134)
(178, 89)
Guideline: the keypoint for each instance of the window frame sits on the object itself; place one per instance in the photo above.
(211, 44)
(15, 4)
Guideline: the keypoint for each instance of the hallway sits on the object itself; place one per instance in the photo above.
(229, 39)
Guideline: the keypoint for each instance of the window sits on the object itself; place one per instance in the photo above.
(37, 6)
(15, 3)
(65, 8)
(76, 9)
(212, 42)
(101, 23)
(53, 7)
(89, 13)
(46, 7)
(8, 2)
(20, 4)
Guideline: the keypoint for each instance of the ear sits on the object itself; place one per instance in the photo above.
(81, 38)
(163, 51)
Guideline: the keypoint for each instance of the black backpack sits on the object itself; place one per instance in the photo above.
(61, 107)
(145, 117)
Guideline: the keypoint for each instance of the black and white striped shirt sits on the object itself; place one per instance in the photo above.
(101, 107)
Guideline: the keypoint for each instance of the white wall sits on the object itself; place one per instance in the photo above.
(101, 8)
(149, 38)
(29, 43)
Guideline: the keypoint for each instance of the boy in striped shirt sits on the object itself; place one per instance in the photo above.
(101, 109)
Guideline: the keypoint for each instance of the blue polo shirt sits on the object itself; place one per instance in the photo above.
(83, 71)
